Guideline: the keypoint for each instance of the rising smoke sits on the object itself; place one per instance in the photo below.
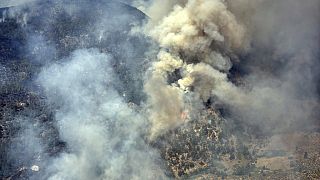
(195, 39)
(111, 102)
(202, 39)
(282, 64)
(103, 132)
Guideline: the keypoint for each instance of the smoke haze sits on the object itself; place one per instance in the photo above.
(117, 79)
(274, 55)
(102, 131)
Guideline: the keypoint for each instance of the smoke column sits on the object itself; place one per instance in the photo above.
(103, 132)
(111, 99)
(201, 41)
(195, 39)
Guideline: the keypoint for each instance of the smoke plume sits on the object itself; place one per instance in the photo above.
(207, 44)
(104, 134)
(116, 85)
(195, 38)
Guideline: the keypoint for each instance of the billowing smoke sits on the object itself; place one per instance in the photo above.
(281, 68)
(103, 132)
(116, 85)
(201, 40)
(91, 77)
(195, 39)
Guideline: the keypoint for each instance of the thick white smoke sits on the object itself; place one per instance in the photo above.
(104, 134)
(200, 43)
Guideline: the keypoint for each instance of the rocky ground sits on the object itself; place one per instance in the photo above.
(208, 147)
